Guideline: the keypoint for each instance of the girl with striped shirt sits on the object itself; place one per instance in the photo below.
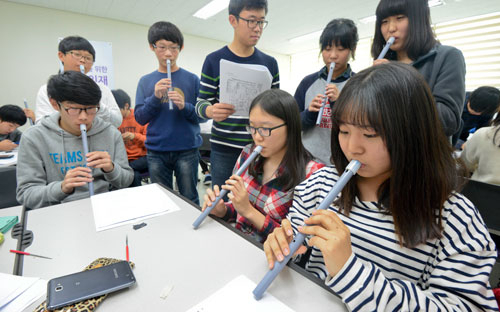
(398, 237)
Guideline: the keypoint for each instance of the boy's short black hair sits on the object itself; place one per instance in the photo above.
(75, 87)
(485, 100)
(121, 98)
(236, 6)
(76, 43)
(12, 113)
(341, 32)
(167, 31)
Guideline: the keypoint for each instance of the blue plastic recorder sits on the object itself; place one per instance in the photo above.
(82, 69)
(83, 128)
(169, 76)
(328, 80)
(240, 171)
(386, 48)
(350, 171)
(26, 106)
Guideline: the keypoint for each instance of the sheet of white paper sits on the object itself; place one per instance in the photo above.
(9, 161)
(237, 296)
(130, 205)
(241, 83)
(18, 292)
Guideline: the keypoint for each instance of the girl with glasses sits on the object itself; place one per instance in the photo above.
(261, 197)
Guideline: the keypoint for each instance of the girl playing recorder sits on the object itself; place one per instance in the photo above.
(261, 197)
(398, 237)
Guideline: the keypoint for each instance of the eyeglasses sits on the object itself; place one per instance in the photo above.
(73, 111)
(253, 23)
(79, 56)
(172, 49)
(265, 132)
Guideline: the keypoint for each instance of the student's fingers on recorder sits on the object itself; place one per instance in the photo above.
(271, 248)
(210, 196)
(326, 224)
(381, 61)
(101, 160)
(332, 92)
(316, 103)
(97, 158)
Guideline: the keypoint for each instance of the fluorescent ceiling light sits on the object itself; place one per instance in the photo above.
(435, 3)
(373, 18)
(306, 37)
(368, 19)
(212, 8)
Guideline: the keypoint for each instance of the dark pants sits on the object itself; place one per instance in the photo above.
(222, 165)
(140, 166)
(162, 166)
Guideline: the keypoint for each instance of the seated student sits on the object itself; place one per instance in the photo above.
(51, 165)
(478, 111)
(399, 237)
(481, 153)
(11, 118)
(261, 197)
(134, 136)
(338, 44)
(75, 52)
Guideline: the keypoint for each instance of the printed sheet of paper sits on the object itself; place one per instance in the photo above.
(237, 296)
(130, 205)
(241, 83)
(18, 292)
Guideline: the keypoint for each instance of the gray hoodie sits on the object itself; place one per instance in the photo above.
(47, 152)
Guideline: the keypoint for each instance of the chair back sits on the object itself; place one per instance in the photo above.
(486, 198)
(8, 184)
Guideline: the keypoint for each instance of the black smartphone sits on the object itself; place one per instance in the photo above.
(6, 156)
(69, 289)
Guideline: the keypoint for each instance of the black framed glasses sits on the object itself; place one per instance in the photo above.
(172, 49)
(73, 111)
(265, 132)
(79, 56)
(253, 23)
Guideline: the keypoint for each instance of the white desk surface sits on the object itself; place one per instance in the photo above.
(167, 252)
(6, 257)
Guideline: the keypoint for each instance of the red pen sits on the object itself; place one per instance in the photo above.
(28, 254)
(126, 247)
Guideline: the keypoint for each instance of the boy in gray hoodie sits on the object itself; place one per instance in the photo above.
(51, 163)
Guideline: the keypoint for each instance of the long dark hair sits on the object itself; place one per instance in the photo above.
(420, 38)
(281, 104)
(396, 102)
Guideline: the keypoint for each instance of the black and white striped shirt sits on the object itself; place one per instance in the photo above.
(450, 273)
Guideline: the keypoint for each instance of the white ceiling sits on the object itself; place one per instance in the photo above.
(287, 18)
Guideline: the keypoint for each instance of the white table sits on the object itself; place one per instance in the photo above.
(167, 252)
(7, 258)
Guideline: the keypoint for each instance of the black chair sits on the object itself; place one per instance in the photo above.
(8, 184)
(486, 198)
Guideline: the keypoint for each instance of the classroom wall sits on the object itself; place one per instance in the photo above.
(29, 39)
